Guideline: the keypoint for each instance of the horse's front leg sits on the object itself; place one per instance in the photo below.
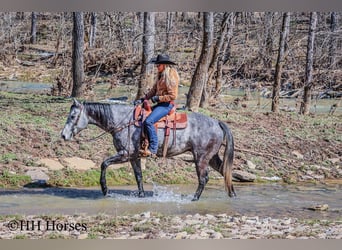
(136, 164)
(203, 178)
(120, 157)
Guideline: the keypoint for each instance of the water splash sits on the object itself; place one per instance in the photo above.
(160, 194)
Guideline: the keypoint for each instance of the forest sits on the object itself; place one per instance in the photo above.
(279, 54)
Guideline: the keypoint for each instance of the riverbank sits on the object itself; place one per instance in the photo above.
(282, 147)
(149, 225)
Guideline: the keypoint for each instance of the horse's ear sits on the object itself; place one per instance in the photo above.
(76, 103)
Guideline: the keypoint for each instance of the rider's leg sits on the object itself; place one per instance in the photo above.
(159, 111)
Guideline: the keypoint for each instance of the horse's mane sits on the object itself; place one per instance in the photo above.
(101, 112)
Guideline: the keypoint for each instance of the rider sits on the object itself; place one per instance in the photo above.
(163, 92)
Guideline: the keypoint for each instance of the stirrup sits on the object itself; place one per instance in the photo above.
(146, 153)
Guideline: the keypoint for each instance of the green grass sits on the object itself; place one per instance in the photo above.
(73, 178)
(8, 157)
(20, 237)
(8, 179)
(189, 230)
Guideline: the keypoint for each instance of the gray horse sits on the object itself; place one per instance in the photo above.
(203, 137)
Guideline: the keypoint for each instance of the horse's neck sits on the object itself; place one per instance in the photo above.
(106, 116)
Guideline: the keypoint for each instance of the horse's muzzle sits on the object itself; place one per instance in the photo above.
(66, 137)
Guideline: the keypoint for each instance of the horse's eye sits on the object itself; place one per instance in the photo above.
(72, 117)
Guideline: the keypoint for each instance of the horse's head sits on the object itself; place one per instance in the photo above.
(76, 122)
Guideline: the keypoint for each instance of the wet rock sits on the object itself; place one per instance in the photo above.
(306, 177)
(243, 176)
(37, 175)
(273, 178)
(319, 207)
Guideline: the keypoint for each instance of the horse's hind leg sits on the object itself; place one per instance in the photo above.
(203, 158)
(118, 158)
(136, 164)
(216, 163)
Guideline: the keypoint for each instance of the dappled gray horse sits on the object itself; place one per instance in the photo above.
(203, 137)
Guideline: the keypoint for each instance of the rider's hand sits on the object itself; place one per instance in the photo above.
(139, 101)
(155, 99)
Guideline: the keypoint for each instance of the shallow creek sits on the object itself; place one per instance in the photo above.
(265, 200)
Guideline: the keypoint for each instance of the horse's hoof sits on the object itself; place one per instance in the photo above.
(232, 195)
(141, 194)
(105, 191)
(195, 199)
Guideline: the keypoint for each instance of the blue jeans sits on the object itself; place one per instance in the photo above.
(158, 112)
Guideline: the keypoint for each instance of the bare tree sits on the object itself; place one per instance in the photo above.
(200, 77)
(305, 106)
(333, 40)
(225, 52)
(77, 54)
(146, 76)
(169, 22)
(280, 61)
(92, 35)
(138, 27)
(217, 50)
(33, 38)
(267, 46)
(227, 44)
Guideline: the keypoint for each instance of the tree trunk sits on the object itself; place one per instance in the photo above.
(267, 48)
(200, 77)
(92, 35)
(226, 45)
(169, 21)
(138, 27)
(77, 54)
(305, 107)
(146, 73)
(217, 51)
(333, 40)
(280, 61)
(210, 29)
(33, 38)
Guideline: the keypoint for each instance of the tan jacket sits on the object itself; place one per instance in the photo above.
(166, 93)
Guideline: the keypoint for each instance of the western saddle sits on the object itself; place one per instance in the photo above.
(172, 121)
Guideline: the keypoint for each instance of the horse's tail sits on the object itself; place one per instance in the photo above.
(227, 163)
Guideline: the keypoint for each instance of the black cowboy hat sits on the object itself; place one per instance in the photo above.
(162, 59)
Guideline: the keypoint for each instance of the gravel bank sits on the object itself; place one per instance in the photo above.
(158, 226)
